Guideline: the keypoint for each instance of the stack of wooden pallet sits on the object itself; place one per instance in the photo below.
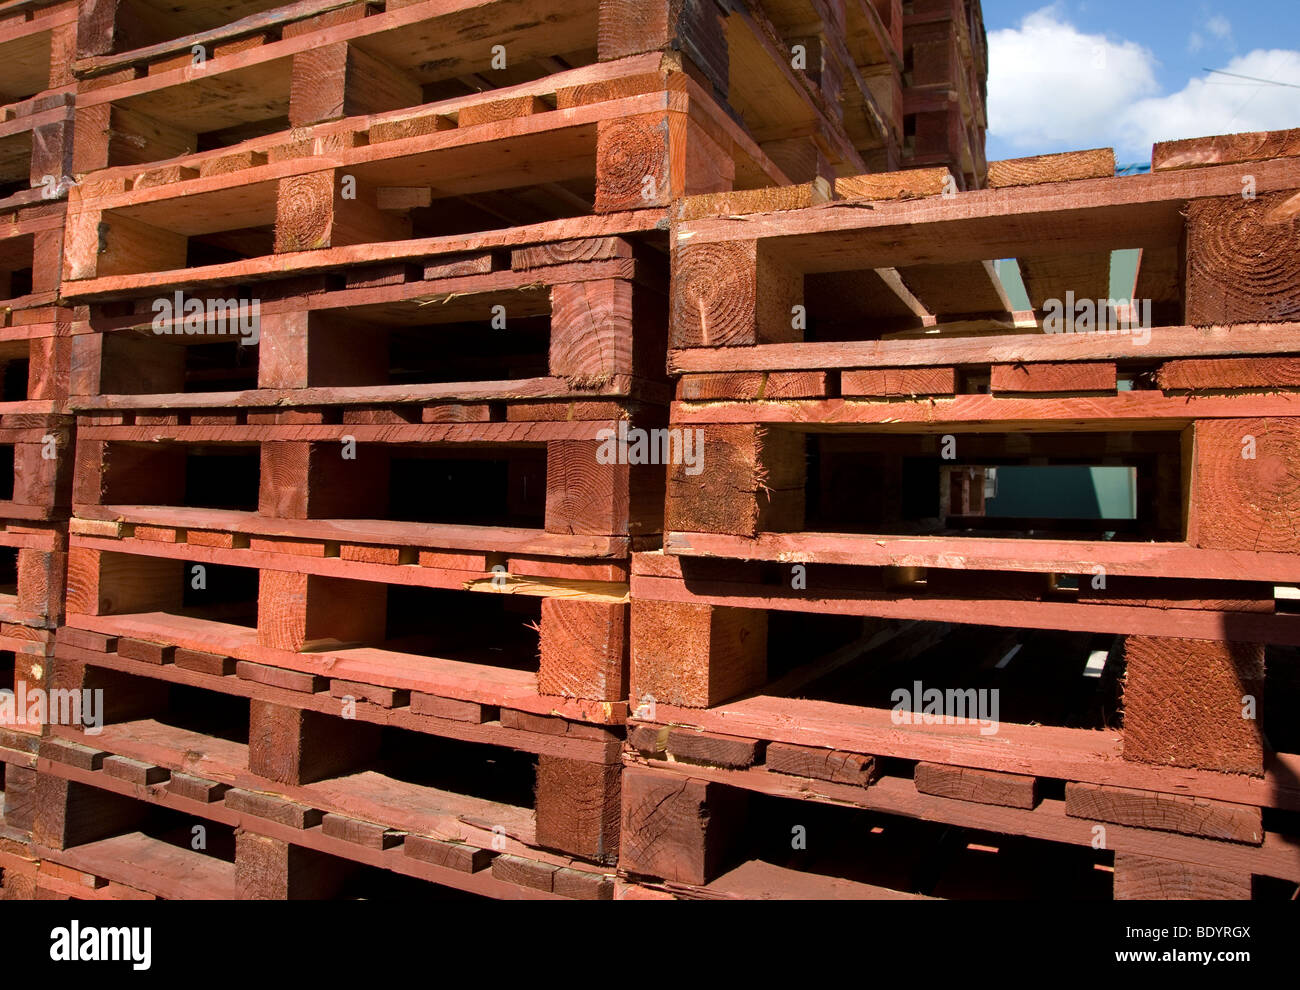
(945, 88)
(343, 326)
(1094, 703)
(347, 299)
(37, 42)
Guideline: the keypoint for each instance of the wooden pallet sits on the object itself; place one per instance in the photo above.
(18, 745)
(33, 561)
(725, 617)
(635, 151)
(17, 809)
(277, 601)
(36, 450)
(701, 832)
(875, 494)
(375, 61)
(35, 453)
(370, 784)
(1040, 782)
(535, 327)
(334, 856)
(689, 832)
(925, 267)
(998, 577)
(301, 470)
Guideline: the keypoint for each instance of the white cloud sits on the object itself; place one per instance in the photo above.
(1054, 88)
(1216, 104)
(1195, 42)
(1220, 27)
(1051, 85)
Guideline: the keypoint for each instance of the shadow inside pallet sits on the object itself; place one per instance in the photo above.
(1125, 487)
(1012, 675)
(15, 370)
(8, 568)
(141, 845)
(16, 266)
(1282, 698)
(494, 630)
(999, 674)
(766, 847)
(406, 343)
(393, 620)
(16, 164)
(482, 485)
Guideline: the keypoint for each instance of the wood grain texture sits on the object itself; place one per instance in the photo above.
(271, 869)
(1183, 704)
(633, 164)
(1063, 377)
(730, 294)
(341, 80)
(753, 385)
(1242, 266)
(107, 583)
(821, 764)
(909, 184)
(1204, 374)
(1246, 485)
(1225, 149)
(583, 648)
(68, 814)
(898, 382)
(695, 656)
(453, 855)
(294, 608)
(493, 110)
(743, 201)
(591, 331)
(712, 749)
(584, 496)
(1148, 878)
(295, 746)
(366, 834)
(578, 807)
(1165, 812)
(749, 480)
(1099, 163)
(677, 828)
(981, 786)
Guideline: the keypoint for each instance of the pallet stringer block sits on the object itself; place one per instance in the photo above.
(331, 208)
(748, 480)
(677, 828)
(296, 746)
(342, 80)
(296, 610)
(695, 656)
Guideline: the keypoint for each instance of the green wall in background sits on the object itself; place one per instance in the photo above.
(1066, 492)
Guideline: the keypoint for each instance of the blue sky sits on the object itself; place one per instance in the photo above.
(1079, 74)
